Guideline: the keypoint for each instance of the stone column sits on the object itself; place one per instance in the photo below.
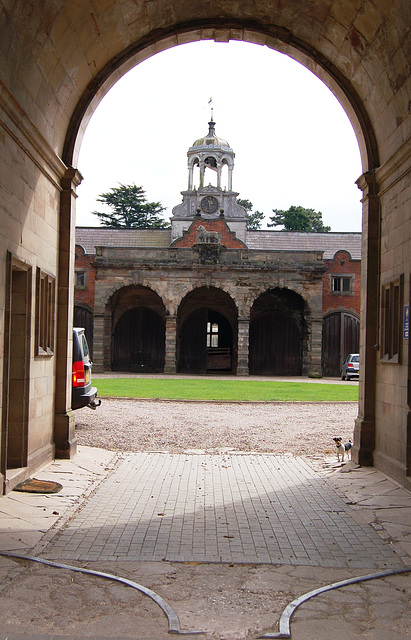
(64, 428)
(364, 431)
(170, 364)
(98, 342)
(315, 368)
(243, 346)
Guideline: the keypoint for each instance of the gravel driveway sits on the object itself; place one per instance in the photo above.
(303, 429)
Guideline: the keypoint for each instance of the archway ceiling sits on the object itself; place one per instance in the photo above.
(59, 58)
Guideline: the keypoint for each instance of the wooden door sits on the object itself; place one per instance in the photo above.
(139, 342)
(341, 336)
(275, 345)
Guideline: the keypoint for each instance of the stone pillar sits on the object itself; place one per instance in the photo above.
(364, 431)
(243, 346)
(315, 368)
(230, 178)
(98, 342)
(170, 364)
(64, 428)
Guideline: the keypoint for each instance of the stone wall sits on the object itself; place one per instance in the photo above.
(243, 275)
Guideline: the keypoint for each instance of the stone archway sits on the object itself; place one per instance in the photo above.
(64, 58)
(316, 54)
(207, 332)
(135, 330)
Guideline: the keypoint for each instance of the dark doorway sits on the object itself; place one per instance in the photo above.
(341, 336)
(84, 318)
(206, 343)
(16, 366)
(276, 334)
(138, 342)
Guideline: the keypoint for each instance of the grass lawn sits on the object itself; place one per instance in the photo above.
(228, 390)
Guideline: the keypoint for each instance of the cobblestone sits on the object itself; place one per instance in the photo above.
(231, 508)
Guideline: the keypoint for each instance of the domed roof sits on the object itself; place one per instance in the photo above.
(211, 140)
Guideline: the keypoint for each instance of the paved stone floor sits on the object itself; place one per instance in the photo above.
(232, 508)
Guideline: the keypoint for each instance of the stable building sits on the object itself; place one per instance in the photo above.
(207, 295)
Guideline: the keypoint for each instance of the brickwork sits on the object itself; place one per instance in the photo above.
(85, 295)
(232, 508)
(342, 265)
(228, 238)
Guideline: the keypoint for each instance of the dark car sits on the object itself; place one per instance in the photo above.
(83, 394)
(351, 367)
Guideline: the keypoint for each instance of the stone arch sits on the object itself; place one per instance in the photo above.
(109, 293)
(274, 37)
(202, 283)
(323, 57)
(64, 59)
(134, 330)
(207, 331)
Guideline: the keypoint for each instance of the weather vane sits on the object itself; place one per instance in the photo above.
(210, 102)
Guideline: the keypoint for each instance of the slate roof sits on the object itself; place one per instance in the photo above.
(91, 237)
(330, 243)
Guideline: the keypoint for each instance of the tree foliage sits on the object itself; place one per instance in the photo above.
(130, 209)
(254, 218)
(298, 219)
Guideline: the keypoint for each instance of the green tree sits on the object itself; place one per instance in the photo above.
(254, 218)
(298, 219)
(130, 209)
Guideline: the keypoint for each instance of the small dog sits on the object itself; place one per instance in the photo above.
(342, 448)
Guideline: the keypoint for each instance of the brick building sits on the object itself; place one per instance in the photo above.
(208, 295)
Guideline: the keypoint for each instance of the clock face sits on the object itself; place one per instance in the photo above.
(209, 204)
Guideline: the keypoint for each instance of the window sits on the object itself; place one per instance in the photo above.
(341, 284)
(45, 313)
(80, 281)
(212, 334)
(391, 312)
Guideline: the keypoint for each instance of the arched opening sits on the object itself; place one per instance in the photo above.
(321, 65)
(137, 327)
(210, 171)
(207, 330)
(277, 333)
(261, 138)
(341, 336)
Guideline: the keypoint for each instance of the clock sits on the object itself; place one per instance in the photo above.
(209, 204)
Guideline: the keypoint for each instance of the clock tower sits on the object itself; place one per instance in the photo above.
(209, 158)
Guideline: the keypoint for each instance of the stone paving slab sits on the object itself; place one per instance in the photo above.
(232, 508)
(30, 636)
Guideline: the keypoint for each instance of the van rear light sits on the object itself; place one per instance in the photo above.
(79, 375)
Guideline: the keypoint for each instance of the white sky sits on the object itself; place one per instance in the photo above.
(293, 142)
